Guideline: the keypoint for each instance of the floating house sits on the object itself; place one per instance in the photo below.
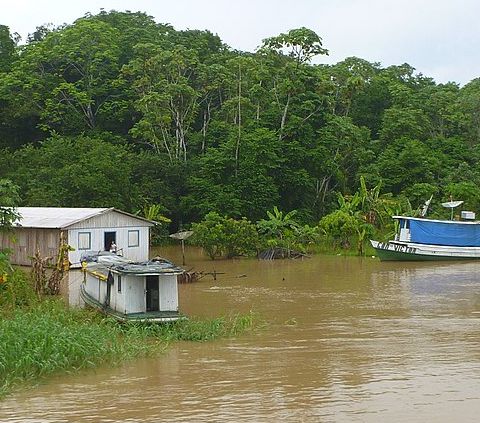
(131, 291)
(84, 229)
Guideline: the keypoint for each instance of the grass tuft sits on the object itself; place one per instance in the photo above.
(197, 329)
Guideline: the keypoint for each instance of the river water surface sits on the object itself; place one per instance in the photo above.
(348, 339)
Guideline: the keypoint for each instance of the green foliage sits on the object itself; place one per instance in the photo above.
(118, 110)
(7, 48)
(374, 207)
(469, 192)
(159, 233)
(198, 330)
(279, 224)
(302, 42)
(407, 162)
(9, 199)
(75, 172)
(341, 226)
(358, 217)
(417, 194)
(399, 122)
(164, 84)
(283, 230)
(16, 288)
(48, 337)
(225, 237)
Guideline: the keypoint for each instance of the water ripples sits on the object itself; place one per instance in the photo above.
(347, 340)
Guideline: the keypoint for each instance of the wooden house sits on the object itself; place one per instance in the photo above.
(84, 229)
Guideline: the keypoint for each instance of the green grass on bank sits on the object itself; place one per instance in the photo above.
(49, 337)
(195, 329)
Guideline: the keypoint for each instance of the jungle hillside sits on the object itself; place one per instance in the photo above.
(117, 110)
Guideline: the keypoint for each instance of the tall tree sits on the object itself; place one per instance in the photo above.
(8, 44)
(166, 97)
(301, 45)
(67, 77)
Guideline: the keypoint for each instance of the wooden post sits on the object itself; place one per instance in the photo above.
(182, 236)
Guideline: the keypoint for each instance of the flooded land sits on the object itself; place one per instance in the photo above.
(347, 339)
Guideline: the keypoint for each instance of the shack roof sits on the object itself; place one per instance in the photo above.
(105, 261)
(62, 217)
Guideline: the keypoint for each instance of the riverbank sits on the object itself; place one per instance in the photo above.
(49, 337)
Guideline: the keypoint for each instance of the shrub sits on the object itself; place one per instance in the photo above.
(225, 237)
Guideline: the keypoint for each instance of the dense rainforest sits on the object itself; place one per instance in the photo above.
(118, 110)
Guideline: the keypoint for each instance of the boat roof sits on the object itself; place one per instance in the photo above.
(62, 217)
(423, 219)
(105, 261)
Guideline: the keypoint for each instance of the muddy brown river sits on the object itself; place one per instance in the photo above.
(348, 340)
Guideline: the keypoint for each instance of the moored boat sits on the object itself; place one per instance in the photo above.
(420, 239)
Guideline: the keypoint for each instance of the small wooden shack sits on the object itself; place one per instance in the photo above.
(135, 291)
(84, 229)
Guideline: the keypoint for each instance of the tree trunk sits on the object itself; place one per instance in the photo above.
(206, 121)
(284, 118)
(239, 120)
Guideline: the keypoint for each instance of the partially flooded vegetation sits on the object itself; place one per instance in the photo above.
(42, 336)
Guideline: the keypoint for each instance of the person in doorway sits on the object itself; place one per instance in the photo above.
(113, 247)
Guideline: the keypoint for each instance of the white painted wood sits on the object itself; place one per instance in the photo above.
(109, 219)
(71, 288)
(119, 297)
(168, 293)
(132, 298)
(91, 286)
(136, 294)
(139, 253)
(40, 227)
(428, 249)
(102, 291)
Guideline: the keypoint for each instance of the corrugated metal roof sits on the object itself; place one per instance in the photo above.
(60, 217)
(54, 217)
(106, 261)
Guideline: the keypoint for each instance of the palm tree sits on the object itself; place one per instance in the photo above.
(279, 224)
(153, 212)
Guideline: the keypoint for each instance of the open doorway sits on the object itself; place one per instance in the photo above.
(153, 294)
(108, 238)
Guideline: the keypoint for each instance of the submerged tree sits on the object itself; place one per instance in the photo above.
(221, 236)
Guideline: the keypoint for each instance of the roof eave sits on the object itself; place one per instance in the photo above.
(107, 210)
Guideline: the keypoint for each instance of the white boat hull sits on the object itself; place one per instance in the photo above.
(411, 251)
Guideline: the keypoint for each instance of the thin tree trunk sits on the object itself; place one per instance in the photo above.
(284, 118)
(239, 133)
(206, 121)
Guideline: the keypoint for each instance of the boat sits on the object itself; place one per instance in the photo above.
(422, 239)
(131, 291)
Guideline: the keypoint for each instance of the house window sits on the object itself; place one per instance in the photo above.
(84, 241)
(119, 283)
(133, 238)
